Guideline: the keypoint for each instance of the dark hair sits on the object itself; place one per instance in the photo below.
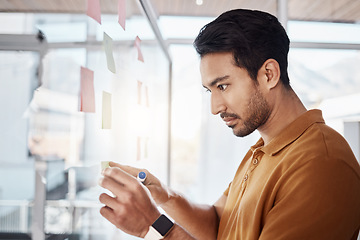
(252, 36)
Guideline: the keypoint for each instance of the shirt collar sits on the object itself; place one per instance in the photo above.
(290, 133)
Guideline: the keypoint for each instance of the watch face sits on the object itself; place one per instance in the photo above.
(163, 225)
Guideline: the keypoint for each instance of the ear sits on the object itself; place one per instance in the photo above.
(270, 73)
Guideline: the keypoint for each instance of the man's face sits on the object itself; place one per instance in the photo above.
(234, 95)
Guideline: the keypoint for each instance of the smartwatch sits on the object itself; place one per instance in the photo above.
(159, 228)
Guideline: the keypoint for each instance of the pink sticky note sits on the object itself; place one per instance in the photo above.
(87, 93)
(137, 45)
(122, 13)
(139, 84)
(93, 10)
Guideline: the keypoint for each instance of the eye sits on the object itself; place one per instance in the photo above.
(222, 87)
(207, 90)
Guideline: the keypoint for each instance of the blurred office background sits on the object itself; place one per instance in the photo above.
(50, 152)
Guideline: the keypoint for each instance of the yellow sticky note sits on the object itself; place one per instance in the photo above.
(106, 110)
(104, 164)
(147, 97)
(108, 45)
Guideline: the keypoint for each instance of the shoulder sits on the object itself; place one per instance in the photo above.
(320, 144)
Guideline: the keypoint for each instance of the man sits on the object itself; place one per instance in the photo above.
(299, 181)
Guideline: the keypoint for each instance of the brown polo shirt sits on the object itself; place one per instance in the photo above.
(304, 184)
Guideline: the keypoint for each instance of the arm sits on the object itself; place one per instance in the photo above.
(202, 221)
(138, 201)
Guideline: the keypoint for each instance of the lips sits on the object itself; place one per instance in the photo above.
(230, 121)
(229, 118)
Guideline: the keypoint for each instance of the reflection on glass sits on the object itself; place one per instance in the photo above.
(317, 75)
(301, 31)
(72, 144)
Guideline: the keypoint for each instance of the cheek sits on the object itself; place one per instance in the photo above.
(237, 104)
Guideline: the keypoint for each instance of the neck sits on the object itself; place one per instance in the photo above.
(286, 107)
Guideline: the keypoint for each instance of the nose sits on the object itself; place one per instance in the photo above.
(217, 104)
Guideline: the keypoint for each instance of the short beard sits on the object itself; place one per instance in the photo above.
(257, 114)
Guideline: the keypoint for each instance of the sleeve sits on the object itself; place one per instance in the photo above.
(319, 200)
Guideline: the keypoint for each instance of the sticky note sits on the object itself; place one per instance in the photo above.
(108, 45)
(146, 97)
(139, 84)
(137, 45)
(93, 10)
(106, 110)
(87, 93)
(104, 164)
(122, 13)
(146, 148)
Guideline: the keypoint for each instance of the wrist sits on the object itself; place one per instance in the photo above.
(171, 199)
(163, 196)
(159, 229)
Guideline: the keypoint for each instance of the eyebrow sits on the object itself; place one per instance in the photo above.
(217, 80)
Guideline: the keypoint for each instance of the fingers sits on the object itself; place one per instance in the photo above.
(130, 170)
(133, 171)
(126, 176)
(108, 201)
(110, 184)
(116, 204)
(119, 183)
(132, 209)
(120, 176)
(108, 213)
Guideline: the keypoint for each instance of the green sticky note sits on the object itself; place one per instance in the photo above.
(108, 45)
(104, 164)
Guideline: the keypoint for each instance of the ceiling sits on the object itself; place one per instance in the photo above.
(311, 10)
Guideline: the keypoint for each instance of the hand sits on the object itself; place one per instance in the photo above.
(159, 192)
(132, 209)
